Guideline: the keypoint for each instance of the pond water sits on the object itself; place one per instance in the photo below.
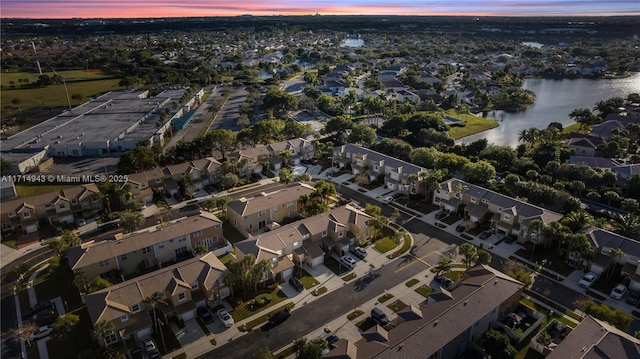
(555, 100)
(350, 42)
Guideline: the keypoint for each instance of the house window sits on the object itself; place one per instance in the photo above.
(12, 214)
(196, 234)
(135, 308)
(26, 215)
(437, 200)
(61, 206)
(251, 226)
(295, 244)
(473, 200)
(123, 257)
(161, 245)
(181, 251)
(340, 234)
(290, 204)
(110, 338)
(124, 318)
(194, 286)
(104, 263)
(375, 167)
(507, 217)
(182, 297)
(208, 242)
(274, 209)
(74, 201)
(158, 180)
(146, 250)
(485, 201)
(262, 213)
(6, 226)
(324, 233)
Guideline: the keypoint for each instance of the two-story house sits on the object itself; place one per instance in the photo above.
(448, 323)
(507, 215)
(307, 240)
(58, 207)
(610, 250)
(256, 214)
(148, 248)
(397, 174)
(269, 155)
(182, 288)
(198, 173)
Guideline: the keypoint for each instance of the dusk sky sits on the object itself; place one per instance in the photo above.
(177, 8)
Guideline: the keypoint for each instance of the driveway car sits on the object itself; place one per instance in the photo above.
(441, 214)
(398, 195)
(588, 280)
(313, 161)
(443, 281)
(379, 316)
(461, 228)
(225, 318)
(296, 283)
(618, 291)
(39, 307)
(486, 234)
(82, 222)
(45, 317)
(511, 238)
(332, 339)
(387, 199)
(633, 298)
(279, 317)
(205, 315)
(178, 197)
(149, 345)
(41, 333)
(136, 353)
(359, 252)
(348, 261)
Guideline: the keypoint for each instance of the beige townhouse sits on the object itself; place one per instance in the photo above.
(182, 287)
(269, 155)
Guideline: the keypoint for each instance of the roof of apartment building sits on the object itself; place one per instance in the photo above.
(443, 316)
(264, 201)
(115, 301)
(593, 338)
(267, 245)
(600, 238)
(78, 193)
(94, 252)
(407, 168)
(208, 163)
(525, 210)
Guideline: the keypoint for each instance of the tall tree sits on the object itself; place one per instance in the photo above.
(469, 252)
(23, 332)
(102, 329)
(444, 265)
(222, 140)
(153, 301)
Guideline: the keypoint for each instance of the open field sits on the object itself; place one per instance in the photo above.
(474, 124)
(69, 75)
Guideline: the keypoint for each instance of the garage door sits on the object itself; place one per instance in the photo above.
(188, 315)
(143, 333)
(32, 228)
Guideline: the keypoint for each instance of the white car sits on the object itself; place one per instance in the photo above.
(149, 345)
(348, 261)
(588, 280)
(82, 222)
(387, 199)
(618, 292)
(225, 318)
(41, 333)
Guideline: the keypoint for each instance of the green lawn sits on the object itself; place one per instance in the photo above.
(69, 75)
(453, 275)
(244, 310)
(319, 291)
(307, 279)
(406, 244)
(553, 262)
(397, 306)
(424, 290)
(334, 265)
(26, 190)
(474, 124)
(450, 219)
(263, 318)
(384, 245)
(412, 282)
(385, 297)
(349, 277)
(225, 259)
(366, 324)
(231, 233)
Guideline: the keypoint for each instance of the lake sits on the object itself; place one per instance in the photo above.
(555, 100)
(351, 42)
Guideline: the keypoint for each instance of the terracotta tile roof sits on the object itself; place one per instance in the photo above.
(266, 201)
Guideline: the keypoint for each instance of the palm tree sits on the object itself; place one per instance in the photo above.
(613, 253)
(101, 329)
(628, 225)
(23, 332)
(259, 271)
(153, 300)
(444, 265)
(577, 219)
(469, 252)
(534, 234)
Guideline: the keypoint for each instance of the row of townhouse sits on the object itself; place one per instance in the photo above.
(269, 155)
(398, 175)
(198, 173)
(446, 325)
(155, 247)
(507, 215)
(306, 241)
(182, 287)
(53, 208)
(258, 213)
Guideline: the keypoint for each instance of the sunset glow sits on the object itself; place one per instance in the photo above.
(166, 8)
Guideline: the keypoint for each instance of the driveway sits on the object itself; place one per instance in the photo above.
(191, 333)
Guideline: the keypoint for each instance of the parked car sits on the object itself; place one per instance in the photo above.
(82, 222)
(486, 234)
(332, 339)
(348, 261)
(178, 197)
(398, 195)
(443, 281)
(441, 214)
(633, 298)
(359, 252)
(149, 345)
(387, 199)
(45, 317)
(209, 188)
(136, 353)
(205, 315)
(109, 226)
(313, 161)
(461, 227)
(41, 333)
(225, 318)
(279, 317)
(588, 280)
(379, 316)
(39, 307)
(511, 238)
(344, 201)
(618, 291)
(296, 283)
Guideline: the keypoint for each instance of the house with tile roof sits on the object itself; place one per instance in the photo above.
(397, 174)
(306, 241)
(184, 286)
(507, 215)
(269, 155)
(59, 207)
(165, 180)
(448, 322)
(258, 213)
(593, 338)
(150, 248)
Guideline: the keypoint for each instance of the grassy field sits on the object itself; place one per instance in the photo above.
(474, 124)
(53, 95)
(24, 190)
(384, 245)
(69, 75)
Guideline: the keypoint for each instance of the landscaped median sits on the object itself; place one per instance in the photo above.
(263, 318)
